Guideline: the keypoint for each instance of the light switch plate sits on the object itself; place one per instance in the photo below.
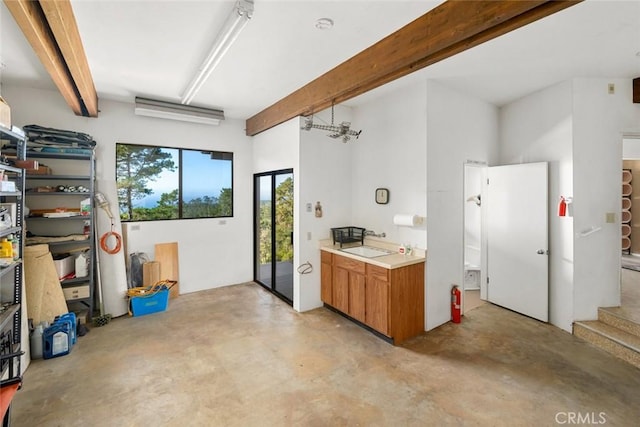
(611, 217)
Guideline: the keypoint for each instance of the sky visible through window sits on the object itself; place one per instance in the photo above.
(201, 175)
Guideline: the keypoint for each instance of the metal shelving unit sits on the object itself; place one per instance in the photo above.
(77, 296)
(11, 274)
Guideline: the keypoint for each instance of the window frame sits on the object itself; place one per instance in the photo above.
(222, 155)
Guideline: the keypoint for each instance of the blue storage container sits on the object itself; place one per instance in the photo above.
(56, 340)
(153, 303)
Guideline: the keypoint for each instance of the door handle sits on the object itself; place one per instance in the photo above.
(542, 252)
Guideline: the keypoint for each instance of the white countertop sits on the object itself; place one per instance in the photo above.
(395, 260)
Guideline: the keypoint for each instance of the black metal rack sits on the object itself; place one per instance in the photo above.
(349, 234)
(11, 275)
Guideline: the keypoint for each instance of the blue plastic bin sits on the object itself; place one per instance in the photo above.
(148, 304)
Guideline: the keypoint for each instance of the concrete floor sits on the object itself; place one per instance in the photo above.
(238, 356)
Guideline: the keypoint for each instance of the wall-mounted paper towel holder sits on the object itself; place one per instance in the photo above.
(407, 220)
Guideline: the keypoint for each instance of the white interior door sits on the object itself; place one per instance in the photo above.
(517, 233)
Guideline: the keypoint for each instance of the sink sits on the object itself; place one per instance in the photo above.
(367, 251)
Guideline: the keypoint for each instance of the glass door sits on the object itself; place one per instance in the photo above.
(273, 233)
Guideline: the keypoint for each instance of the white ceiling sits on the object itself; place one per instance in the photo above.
(153, 48)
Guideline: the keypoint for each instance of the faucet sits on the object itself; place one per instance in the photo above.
(373, 234)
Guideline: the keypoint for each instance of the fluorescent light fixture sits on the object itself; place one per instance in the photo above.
(185, 113)
(242, 12)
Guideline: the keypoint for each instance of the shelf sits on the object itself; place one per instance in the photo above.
(10, 193)
(75, 281)
(11, 135)
(6, 270)
(67, 156)
(85, 217)
(10, 230)
(7, 315)
(11, 168)
(60, 177)
(87, 243)
(57, 193)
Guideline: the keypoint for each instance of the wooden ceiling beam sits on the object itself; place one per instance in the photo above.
(448, 29)
(79, 94)
(62, 22)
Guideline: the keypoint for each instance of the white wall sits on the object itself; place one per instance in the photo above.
(325, 177)
(599, 120)
(211, 254)
(391, 153)
(538, 128)
(459, 128)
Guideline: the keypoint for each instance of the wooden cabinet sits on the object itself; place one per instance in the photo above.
(326, 282)
(377, 299)
(390, 301)
(349, 286)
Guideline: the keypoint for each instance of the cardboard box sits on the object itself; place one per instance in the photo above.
(64, 266)
(26, 164)
(5, 114)
(42, 170)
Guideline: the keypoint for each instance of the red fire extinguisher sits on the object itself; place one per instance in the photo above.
(455, 305)
(562, 207)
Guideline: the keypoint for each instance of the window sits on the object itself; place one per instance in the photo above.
(156, 183)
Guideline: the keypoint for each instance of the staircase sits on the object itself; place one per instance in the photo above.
(617, 331)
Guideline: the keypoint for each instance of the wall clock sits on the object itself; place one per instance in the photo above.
(382, 196)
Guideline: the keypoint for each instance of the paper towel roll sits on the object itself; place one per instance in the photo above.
(407, 220)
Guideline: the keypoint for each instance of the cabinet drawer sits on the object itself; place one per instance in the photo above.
(379, 273)
(349, 264)
(325, 257)
(76, 292)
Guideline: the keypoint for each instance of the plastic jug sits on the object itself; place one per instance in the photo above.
(35, 341)
(70, 318)
(82, 265)
(6, 250)
(56, 340)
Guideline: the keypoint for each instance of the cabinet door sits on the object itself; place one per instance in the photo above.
(326, 288)
(357, 284)
(341, 289)
(377, 304)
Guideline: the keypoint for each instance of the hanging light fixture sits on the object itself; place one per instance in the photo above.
(242, 12)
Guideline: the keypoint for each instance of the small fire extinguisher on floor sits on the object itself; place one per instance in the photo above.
(455, 304)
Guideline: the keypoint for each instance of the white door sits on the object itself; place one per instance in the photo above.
(517, 238)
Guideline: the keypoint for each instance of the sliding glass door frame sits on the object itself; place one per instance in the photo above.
(272, 284)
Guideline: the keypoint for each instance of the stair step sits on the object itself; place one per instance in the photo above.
(619, 343)
(620, 318)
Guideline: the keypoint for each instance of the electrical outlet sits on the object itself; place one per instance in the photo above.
(611, 217)
(309, 207)
(222, 222)
(135, 227)
(308, 235)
